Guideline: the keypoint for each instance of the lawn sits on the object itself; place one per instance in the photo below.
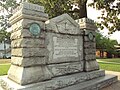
(110, 64)
(4, 66)
(115, 60)
(4, 69)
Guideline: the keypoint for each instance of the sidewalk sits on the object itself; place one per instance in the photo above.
(115, 86)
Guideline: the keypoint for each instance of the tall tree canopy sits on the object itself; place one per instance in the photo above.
(110, 17)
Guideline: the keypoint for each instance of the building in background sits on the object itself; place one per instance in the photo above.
(5, 49)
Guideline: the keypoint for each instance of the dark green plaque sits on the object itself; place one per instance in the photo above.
(90, 36)
(35, 29)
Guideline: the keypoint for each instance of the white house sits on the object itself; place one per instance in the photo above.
(5, 49)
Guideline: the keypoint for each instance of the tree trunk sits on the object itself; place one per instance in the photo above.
(83, 9)
(109, 55)
(102, 54)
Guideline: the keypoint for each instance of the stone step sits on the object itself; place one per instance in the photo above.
(55, 83)
(94, 80)
(94, 84)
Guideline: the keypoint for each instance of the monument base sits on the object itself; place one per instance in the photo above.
(79, 81)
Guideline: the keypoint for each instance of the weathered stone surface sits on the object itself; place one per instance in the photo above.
(32, 7)
(25, 33)
(69, 48)
(90, 57)
(28, 43)
(85, 20)
(29, 52)
(65, 68)
(25, 24)
(90, 31)
(31, 61)
(55, 83)
(86, 23)
(92, 65)
(29, 6)
(27, 75)
(90, 51)
(94, 84)
(26, 10)
(20, 15)
(89, 45)
(34, 13)
(65, 47)
(63, 24)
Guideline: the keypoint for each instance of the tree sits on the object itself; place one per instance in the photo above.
(58, 7)
(104, 44)
(110, 49)
(110, 14)
(4, 35)
(55, 7)
(100, 43)
(6, 7)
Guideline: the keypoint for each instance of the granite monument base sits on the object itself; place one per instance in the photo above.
(94, 80)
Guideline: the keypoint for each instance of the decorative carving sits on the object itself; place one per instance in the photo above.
(66, 26)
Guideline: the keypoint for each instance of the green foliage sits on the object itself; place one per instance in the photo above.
(4, 35)
(110, 14)
(105, 44)
(54, 7)
(6, 9)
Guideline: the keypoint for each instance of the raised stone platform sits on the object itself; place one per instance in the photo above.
(79, 81)
(94, 84)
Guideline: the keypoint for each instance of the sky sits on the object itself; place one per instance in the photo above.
(93, 14)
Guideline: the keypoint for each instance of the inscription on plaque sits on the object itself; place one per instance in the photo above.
(65, 47)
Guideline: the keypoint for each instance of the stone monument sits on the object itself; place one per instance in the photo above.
(55, 54)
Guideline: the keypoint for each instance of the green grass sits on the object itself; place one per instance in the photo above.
(110, 64)
(4, 69)
(115, 60)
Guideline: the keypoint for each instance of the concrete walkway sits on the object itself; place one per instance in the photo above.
(115, 86)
